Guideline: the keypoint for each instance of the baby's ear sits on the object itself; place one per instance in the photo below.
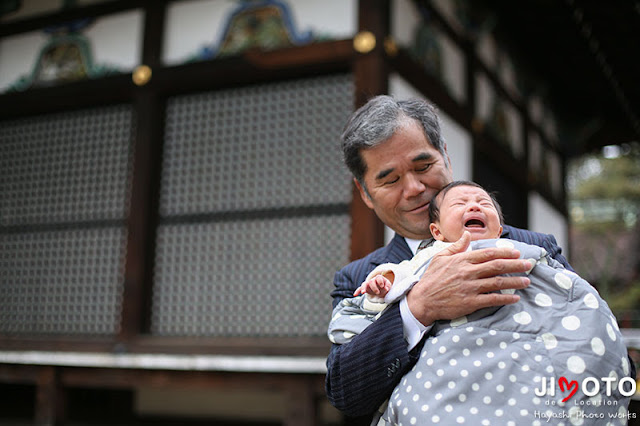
(435, 231)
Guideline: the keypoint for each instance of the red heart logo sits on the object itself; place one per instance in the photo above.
(562, 382)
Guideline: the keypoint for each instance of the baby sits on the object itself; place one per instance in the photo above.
(500, 365)
(467, 208)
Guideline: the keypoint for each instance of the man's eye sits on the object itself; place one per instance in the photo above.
(391, 182)
(424, 168)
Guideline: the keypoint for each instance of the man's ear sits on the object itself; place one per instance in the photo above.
(435, 231)
(363, 194)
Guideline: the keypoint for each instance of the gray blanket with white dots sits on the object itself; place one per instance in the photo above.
(555, 357)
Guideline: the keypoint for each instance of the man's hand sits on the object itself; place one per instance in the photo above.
(457, 282)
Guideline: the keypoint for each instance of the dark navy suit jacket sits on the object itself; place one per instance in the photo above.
(362, 374)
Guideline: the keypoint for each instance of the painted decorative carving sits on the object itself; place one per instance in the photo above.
(263, 24)
(66, 57)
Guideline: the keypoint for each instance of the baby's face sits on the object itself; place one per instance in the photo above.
(466, 208)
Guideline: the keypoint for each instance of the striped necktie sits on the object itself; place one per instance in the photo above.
(424, 244)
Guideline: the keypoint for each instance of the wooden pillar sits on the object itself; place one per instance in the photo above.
(371, 73)
(150, 111)
(50, 401)
(302, 407)
(371, 69)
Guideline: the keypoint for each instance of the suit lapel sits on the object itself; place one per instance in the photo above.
(395, 252)
(506, 231)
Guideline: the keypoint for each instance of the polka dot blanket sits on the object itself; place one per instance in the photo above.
(555, 357)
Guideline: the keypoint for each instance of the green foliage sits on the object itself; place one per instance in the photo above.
(604, 195)
(619, 178)
(625, 299)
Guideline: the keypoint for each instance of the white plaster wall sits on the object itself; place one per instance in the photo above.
(193, 24)
(458, 139)
(117, 39)
(535, 153)
(335, 18)
(515, 130)
(18, 55)
(404, 20)
(487, 50)
(543, 217)
(454, 66)
(485, 94)
(30, 8)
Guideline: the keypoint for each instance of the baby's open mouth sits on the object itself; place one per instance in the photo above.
(474, 223)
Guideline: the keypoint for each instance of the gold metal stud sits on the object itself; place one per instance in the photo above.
(141, 75)
(477, 125)
(364, 42)
(390, 46)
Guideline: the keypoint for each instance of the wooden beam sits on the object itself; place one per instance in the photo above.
(77, 95)
(22, 374)
(44, 20)
(276, 346)
(254, 67)
(126, 378)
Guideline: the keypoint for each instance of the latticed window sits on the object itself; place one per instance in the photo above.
(254, 210)
(64, 185)
(253, 214)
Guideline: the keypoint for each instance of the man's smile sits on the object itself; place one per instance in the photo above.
(419, 208)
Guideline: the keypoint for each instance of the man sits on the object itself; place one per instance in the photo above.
(399, 161)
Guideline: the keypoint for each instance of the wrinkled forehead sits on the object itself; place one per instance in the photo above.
(465, 191)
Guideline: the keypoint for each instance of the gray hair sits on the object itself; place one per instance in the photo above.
(378, 120)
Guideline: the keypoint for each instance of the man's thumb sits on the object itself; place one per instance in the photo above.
(461, 245)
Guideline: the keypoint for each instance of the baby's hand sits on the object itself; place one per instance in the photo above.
(376, 286)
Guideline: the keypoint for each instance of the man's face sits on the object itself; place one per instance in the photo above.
(466, 208)
(403, 173)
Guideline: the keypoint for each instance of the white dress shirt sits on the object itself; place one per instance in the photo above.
(414, 330)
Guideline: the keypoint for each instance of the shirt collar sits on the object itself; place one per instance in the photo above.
(413, 245)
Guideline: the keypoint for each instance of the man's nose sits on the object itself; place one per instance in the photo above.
(413, 186)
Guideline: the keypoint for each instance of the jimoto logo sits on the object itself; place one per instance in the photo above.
(590, 386)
